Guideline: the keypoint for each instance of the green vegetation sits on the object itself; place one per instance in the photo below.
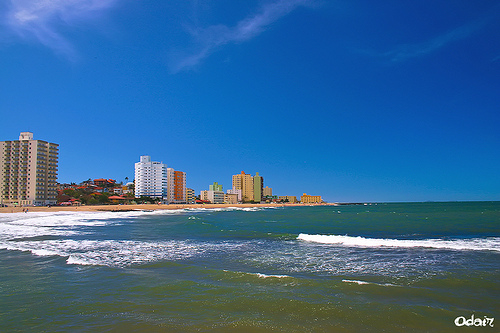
(84, 195)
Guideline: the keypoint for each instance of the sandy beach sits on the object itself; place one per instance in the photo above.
(117, 208)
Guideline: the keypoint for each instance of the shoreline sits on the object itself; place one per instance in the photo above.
(124, 208)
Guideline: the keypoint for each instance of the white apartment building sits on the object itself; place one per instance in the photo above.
(151, 179)
(28, 171)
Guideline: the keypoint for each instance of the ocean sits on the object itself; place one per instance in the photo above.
(387, 267)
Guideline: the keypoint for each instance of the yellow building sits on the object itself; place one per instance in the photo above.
(244, 182)
(288, 198)
(190, 197)
(307, 199)
(267, 191)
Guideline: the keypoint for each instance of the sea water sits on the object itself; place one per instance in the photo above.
(392, 267)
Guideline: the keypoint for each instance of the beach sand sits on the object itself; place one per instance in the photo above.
(117, 208)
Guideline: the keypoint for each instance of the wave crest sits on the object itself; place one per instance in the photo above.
(474, 244)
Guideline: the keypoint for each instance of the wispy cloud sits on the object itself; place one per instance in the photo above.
(209, 39)
(43, 20)
(404, 52)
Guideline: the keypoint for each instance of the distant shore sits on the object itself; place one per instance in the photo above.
(119, 208)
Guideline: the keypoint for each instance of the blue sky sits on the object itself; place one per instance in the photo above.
(351, 100)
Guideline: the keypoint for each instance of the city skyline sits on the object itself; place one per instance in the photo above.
(354, 101)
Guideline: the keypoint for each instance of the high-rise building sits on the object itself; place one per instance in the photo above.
(28, 171)
(154, 179)
(215, 187)
(190, 197)
(258, 185)
(179, 187)
(150, 179)
(267, 192)
(176, 183)
(244, 182)
(170, 185)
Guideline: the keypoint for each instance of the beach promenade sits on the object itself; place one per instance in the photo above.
(118, 208)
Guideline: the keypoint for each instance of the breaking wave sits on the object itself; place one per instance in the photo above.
(63, 234)
(474, 244)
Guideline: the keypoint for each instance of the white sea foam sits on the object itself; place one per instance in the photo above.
(373, 283)
(229, 209)
(265, 276)
(23, 225)
(46, 234)
(356, 281)
(50, 233)
(476, 244)
(44, 253)
(261, 275)
(108, 252)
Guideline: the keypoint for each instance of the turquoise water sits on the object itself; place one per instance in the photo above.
(376, 268)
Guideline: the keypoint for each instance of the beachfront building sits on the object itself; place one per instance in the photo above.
(190, 197)
(231, 198)
(244, 182)
(214, 194)
(258, 185)
(267, 192)
(176, 187)
(28, 171)
(179, 188)
(308, 199)
(215, 197)
(170, 186)
(288, 198)
(150, 179)
(235, 191)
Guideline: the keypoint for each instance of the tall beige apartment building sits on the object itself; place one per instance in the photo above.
(244, 182)
(267, 191)
(28, 171)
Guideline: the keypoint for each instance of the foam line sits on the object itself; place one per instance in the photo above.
(475, 244)
(365, 282)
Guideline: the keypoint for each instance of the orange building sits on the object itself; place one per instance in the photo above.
(179, 187)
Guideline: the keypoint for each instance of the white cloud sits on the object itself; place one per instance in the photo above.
(404, 52)
(209, 39)
(42, 20)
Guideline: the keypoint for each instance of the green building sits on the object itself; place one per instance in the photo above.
(258, 185)
(215, 187)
